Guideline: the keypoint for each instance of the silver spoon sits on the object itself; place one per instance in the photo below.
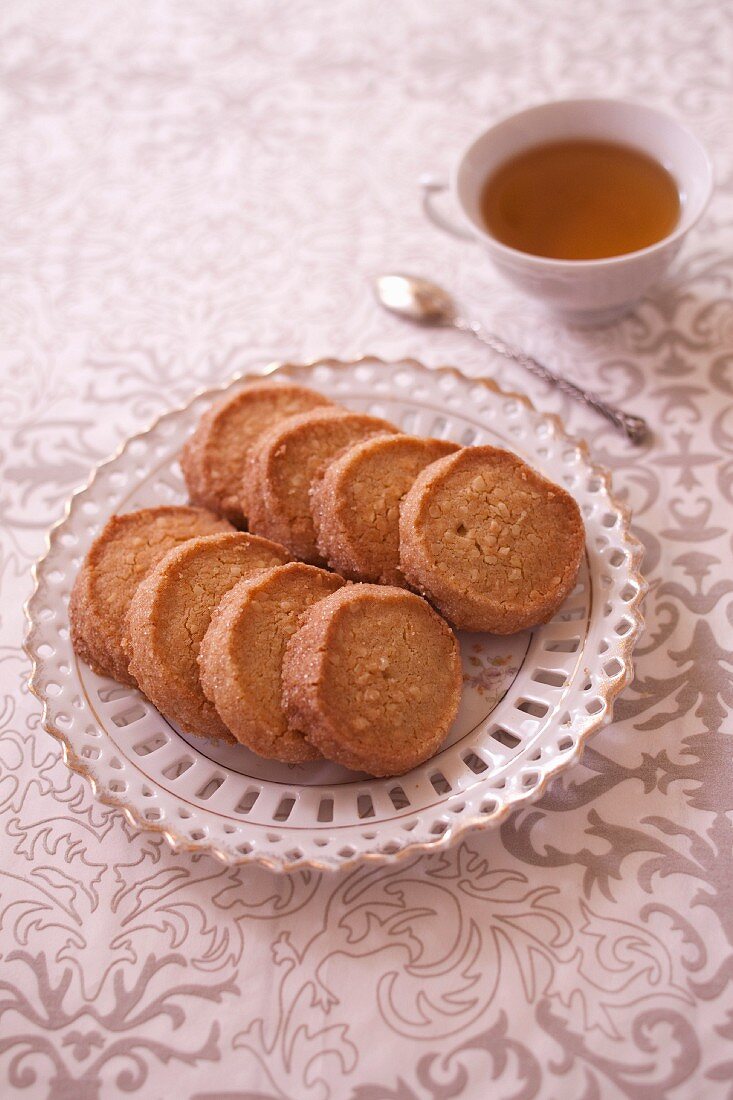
(418, 300)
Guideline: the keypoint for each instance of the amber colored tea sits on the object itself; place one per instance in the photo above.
(580, 200)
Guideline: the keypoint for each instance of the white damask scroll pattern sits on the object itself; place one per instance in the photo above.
(194, 188)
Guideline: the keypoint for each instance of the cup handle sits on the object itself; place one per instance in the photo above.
(431, 186)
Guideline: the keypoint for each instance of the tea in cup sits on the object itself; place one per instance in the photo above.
(581, 203)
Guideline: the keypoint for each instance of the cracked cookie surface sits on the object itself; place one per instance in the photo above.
(213, 458)
(282, 468)
(490, 542)
(356, 504)
(241, 656)
(170, 614)
(373, 678)
(118, 559)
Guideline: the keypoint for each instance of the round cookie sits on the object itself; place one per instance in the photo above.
(356, 504)
(493, 544)
(241, 656)
(170, 613)
(213, 458)
(118, 559)
(281, 469)
(372, 678)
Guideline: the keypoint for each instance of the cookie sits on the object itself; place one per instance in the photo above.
(117, 561)
(213, 458)
(489, 541)
(282, 467)
(170, 614)
(241, 656)
(356, 504)
(373, 678)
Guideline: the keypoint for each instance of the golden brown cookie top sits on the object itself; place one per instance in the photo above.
(492, 542)
(171, 612)
(282, 467)
(121, 555)
(356, 504)
(373, 678)
(213, 458)
(241, 656)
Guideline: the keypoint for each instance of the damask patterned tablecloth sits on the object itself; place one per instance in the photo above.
(189, 188)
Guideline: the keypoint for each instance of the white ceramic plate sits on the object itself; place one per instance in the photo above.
(529, 701)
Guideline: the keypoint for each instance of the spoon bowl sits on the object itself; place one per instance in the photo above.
(415, 299)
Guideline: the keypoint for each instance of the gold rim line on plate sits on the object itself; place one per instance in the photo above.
(608, 690)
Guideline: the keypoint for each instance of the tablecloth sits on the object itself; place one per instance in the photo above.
(189, 188)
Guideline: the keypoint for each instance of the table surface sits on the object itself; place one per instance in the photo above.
(193, 188)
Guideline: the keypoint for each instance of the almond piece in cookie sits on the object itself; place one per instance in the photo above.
(241, 656)
(490, 542)
(356, 504)
(170, 614)
(117, 561)
(213, 458)
(372, 678)
(282, 468)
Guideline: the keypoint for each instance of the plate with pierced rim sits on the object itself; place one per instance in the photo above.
(529, 701)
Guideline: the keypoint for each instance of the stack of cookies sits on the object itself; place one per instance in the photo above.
(301, 638)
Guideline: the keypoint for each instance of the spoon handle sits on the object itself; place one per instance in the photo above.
(634, 428)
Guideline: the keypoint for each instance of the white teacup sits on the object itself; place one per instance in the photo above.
(581, 291)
